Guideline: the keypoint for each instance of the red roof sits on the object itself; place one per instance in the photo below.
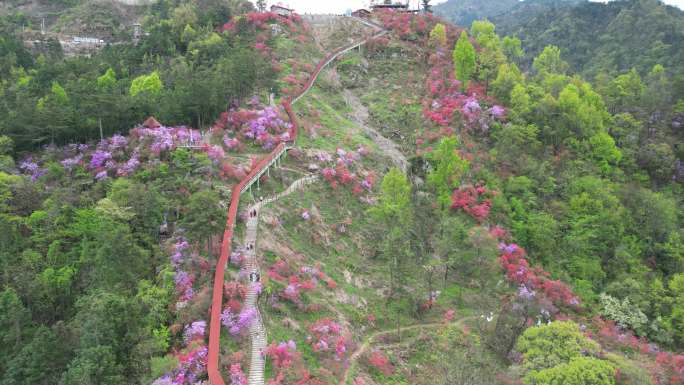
(151, 122)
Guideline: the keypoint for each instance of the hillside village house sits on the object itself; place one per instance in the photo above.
(282, 11)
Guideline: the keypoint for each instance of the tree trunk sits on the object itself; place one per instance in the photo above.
(99, 123)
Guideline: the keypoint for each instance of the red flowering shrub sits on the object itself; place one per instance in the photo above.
(472, 200)
(341, 173)
(449, 315)
(281, 354)
(518, 271)
(380, 361)
(326, 335)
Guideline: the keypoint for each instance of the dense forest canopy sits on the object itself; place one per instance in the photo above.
(597, 37)
(52, 99)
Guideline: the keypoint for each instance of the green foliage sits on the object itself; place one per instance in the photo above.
(579, 371)
(491, 55)
(512, 47)
(447, 169)
(507, 78)
(150, 84)
(438, 35)
(595, 37)
(394, 202)
(464, 12)
(464, 59)
(547, 346)
(108, 80)
(550, 62)
(624, 313)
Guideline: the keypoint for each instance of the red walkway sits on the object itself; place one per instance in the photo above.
(219, 276)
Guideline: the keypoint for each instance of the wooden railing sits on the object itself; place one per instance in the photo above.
(219, 276)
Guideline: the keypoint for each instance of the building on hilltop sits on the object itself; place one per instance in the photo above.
(388, 4)
(361, 13)
(282, 11)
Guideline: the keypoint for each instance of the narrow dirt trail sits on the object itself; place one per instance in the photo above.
(369, 340)
(388, 147)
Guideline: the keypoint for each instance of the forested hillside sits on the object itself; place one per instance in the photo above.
(397, 200)
(467, 11)
(596, 37)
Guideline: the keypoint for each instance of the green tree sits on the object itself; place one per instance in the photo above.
(106, 96)
(557, 343)
(579, 371)
(512, 48)
(447, 170)
(15, 321)
(507, 77)
(393, 214)
(490, 55)
(394, 202)
(464, 59)
(676, 319)
(550, 62)
(205, 218)
(438, 36)
(40, 361)
(625, 92)
(150, 84)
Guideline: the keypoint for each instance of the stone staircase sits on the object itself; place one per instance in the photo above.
(257, 331)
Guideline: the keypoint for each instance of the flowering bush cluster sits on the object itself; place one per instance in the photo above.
(326, 335)
(340, 173)
(260, 124)
(532, 280)
(474, 200)
(183, 280)
(380, 362)
(238, 323)
(261, 20)
(191, 365)
(281, 354)
(668, 368)
(408, 26)
(122, 156)
(237, 376)
(444, 98)
(29, 167)
(194, 331)
(234, 293)
(296, 282)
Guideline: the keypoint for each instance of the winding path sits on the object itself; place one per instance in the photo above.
(257, 330)
(367, 342)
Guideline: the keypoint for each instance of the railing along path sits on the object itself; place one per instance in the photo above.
(257, 332)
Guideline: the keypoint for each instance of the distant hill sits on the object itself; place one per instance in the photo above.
(594, 36)
(614, 37)
(463, 12)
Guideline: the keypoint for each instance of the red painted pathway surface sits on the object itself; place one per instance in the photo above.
(219, 276)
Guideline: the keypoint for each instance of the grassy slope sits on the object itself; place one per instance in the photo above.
(347, 257)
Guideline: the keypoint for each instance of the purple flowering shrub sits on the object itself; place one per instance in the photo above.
(262, 125)
(238, 323)
(192, 365)
(31, 168)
